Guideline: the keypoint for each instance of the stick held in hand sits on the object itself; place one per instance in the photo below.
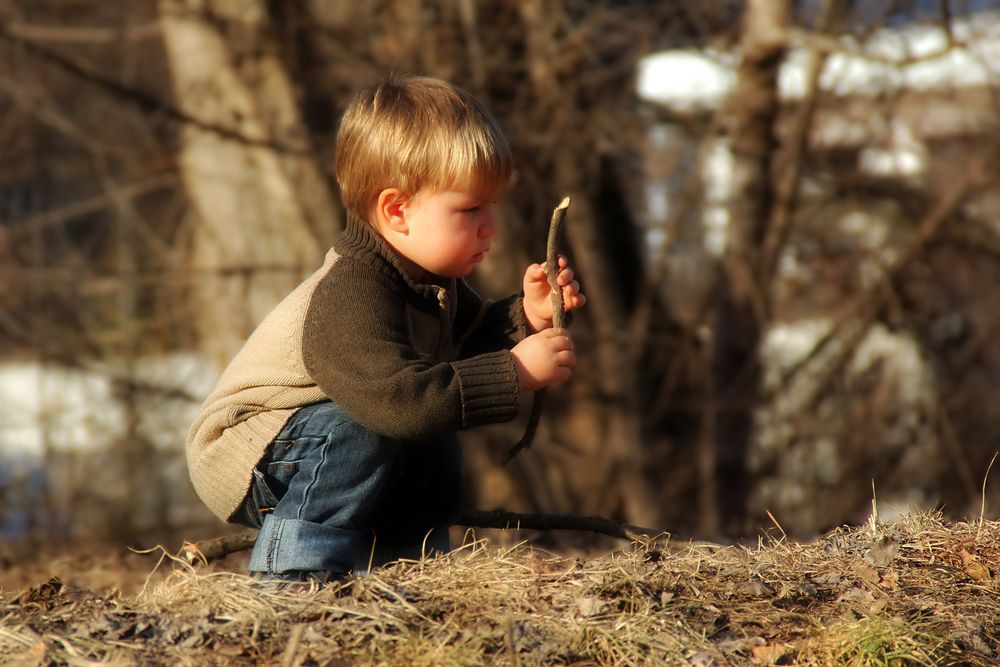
(558, 321)
(552, 263)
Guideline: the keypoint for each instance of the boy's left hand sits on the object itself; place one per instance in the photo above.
(537, 305)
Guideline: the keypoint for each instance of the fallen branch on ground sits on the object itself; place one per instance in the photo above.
(220, 547)
(505, 520)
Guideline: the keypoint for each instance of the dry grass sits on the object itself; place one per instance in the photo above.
(915, 592)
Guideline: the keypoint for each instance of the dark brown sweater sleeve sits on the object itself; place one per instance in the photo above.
(357, 349)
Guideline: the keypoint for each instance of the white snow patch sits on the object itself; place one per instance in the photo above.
(67, 408)
(917, 57)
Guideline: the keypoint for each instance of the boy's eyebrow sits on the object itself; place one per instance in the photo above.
(476, 196)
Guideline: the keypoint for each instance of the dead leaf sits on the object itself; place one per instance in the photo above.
(881, 554)
(741, 644)
(230, 650)
(588, 605)
(974, 567)
(889, 580)
(804, 589)
(857, 594)
(769, 654)
(978, 571)
(702, 659)
(868, 575)
(39, 652)
(756, 589)
(45, 594)
(828, 579)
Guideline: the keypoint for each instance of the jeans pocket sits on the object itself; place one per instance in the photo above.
(277, 476)
(267, 488)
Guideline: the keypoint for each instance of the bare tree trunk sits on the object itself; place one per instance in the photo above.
(265, 209)
(618, 452)
(612, 476)
(741, 307)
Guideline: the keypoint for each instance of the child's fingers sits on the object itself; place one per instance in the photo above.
(566, 358)
(536, 273)
(562, 262)
(570, 289)
(572, 297)
(565, 277)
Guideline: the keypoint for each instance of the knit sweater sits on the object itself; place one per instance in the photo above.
(408, 360)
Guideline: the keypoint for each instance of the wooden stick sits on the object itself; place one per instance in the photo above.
(504, 520)
(552, 264)
(219, 547)
(208, 550)
(558, 321)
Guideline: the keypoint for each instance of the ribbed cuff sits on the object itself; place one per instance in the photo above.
(518, 319)
(489, 388)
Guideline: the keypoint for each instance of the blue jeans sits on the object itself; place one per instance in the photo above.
(333, 496)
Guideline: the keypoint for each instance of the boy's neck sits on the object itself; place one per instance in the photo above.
(417, 273)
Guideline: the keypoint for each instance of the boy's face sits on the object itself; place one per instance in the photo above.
(448, 232)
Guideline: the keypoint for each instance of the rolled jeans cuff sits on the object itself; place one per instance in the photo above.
(290, 545)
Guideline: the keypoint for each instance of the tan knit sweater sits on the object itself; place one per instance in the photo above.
(407, 360)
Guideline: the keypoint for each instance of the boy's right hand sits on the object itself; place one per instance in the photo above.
(543, 358)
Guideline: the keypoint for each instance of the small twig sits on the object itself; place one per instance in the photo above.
(534, 417)
(784, 536)
(982, 507)
(219, 547)
(873, 519)
(294, 639)
(511, 642)
(558, 321)
(505, 520)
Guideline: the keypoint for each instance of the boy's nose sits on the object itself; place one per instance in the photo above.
(489, 226)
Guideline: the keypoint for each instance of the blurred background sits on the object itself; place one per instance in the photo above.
(786, 218)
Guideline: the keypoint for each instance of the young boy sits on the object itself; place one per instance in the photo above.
(333, 429)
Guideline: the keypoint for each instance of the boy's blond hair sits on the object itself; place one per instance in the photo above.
(411, 133)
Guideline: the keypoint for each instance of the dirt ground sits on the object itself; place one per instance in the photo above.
(915, 592)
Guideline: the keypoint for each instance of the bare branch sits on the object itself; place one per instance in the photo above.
(133, 96)
(790, 169)
(91, 205)
(864, 305)
(65, 34)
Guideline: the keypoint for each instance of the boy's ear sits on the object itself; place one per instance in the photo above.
(389, 209)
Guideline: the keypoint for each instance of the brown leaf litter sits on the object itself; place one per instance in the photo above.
(914, 592)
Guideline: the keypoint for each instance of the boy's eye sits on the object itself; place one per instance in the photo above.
(477, 208)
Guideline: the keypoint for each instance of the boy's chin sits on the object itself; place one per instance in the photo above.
(458, 272)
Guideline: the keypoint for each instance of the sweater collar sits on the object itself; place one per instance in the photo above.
(360, 242)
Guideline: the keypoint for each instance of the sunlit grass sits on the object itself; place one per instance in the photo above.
(879, 641)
